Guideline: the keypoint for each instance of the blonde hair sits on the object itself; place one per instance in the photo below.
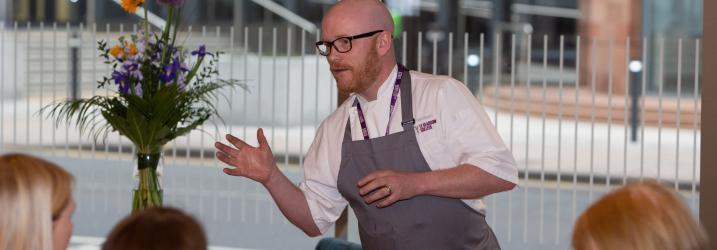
(638, 216)
(33, 192)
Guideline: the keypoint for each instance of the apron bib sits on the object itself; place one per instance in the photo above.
(422, 222)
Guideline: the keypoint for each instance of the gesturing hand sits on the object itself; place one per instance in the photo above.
(388, 187)
(256, 163)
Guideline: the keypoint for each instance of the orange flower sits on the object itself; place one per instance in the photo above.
(131, 48)
(116, 51)
(131, 5)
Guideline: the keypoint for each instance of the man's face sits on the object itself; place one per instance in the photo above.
(356, 69)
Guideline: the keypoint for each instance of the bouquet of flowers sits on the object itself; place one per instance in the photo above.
(162, 91)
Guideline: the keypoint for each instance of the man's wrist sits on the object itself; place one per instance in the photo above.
(420, 183)
(274, 177)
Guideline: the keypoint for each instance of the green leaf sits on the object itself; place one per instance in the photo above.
(138, 127)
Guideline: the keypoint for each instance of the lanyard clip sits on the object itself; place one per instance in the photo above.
(412, 121)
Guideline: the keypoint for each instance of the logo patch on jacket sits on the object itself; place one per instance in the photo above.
(425, 126)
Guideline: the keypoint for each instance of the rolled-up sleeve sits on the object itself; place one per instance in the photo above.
(473, 138)
(319, 185)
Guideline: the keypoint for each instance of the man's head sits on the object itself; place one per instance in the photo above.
(369, 57)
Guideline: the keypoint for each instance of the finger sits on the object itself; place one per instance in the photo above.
(370, 177)
(261, 138)
(371, 186)
(389, 200)
(366, 179)
(377, 195)
(225, 158)
(238, 143)
(232, 171)
(225, 148)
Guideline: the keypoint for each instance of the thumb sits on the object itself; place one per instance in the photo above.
(261, 138)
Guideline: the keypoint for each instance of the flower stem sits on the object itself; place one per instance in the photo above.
(146, 24)
(148, 192)
(176, 25)
(165, 36)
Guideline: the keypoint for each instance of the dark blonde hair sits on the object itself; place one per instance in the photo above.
(157, 228)
(638, 216)
(33, 193)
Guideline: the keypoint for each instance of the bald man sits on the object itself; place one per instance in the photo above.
(411, 153)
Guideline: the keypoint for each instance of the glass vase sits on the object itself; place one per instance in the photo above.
(149, 190)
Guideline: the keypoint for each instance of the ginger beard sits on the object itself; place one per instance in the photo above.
(350, 79)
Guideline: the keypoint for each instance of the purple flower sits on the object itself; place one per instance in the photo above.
(170, 71)
(138, 89)
(121, 79)
(184, 67)
(160, 51)
(201, 52)
(181, 81)
(141, 48)
(174, 3)
(132, 69)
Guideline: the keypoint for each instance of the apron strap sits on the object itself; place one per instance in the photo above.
(407, 102)
(347, 130)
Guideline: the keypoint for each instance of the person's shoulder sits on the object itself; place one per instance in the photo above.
(437, 84)
(430, 78)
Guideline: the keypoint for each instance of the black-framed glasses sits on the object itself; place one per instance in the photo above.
(341, 44)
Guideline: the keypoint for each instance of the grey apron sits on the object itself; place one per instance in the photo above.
(423, 222)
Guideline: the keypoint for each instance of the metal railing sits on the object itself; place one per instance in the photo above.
(572, 140)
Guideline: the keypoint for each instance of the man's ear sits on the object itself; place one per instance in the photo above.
(384, 43)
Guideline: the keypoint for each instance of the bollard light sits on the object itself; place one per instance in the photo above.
(635, 66)
(473, 60)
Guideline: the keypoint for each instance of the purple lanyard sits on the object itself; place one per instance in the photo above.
(394, 97)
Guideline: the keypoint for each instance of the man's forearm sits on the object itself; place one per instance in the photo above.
(462, 182)
(292, 203)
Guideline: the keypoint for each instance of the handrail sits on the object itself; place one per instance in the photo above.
(287, 14)
(272, 6)
(153, 19)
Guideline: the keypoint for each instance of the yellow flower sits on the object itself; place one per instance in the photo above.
(131, 5)
(116, 51)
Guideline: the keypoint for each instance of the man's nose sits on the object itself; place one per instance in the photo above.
(334, 56)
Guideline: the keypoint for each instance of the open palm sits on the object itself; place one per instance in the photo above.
(256, 163)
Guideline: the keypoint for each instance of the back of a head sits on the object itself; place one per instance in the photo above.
(33, 192)
(638, 216)
(157, 228)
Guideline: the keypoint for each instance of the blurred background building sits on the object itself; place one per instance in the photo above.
(591, 19)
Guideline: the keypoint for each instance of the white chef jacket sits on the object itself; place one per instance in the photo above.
(451, 129)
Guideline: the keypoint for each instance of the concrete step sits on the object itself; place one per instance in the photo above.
(606, 109)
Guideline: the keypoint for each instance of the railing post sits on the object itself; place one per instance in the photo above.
(75, 64)
(635, 104)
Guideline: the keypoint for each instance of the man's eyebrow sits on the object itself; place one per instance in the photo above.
(337, 36)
